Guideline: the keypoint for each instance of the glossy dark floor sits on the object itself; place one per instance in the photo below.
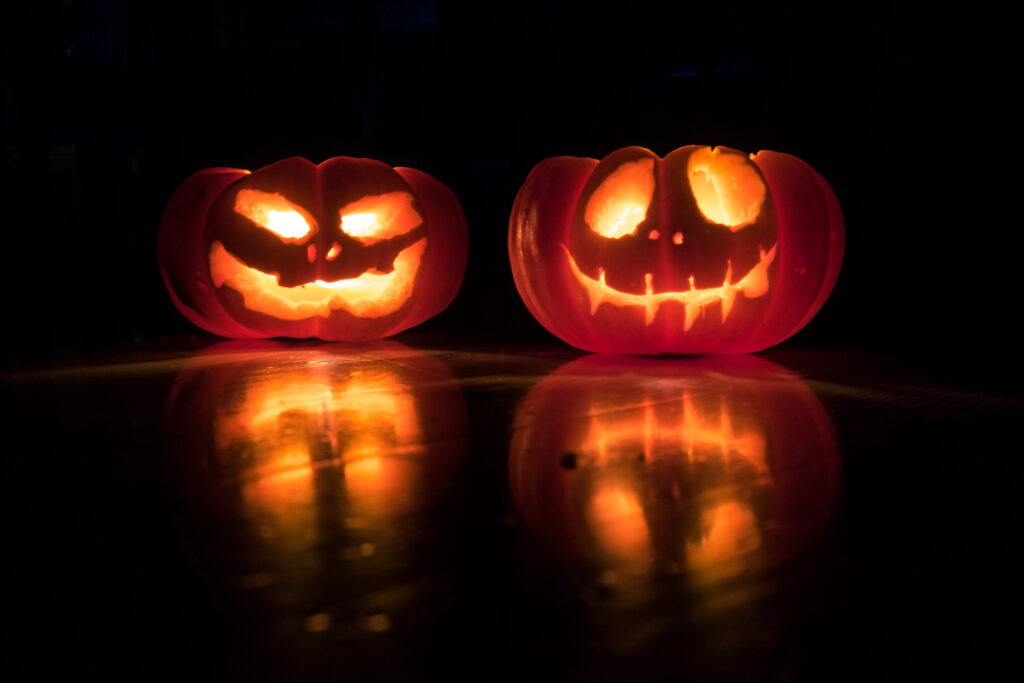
(302, 511)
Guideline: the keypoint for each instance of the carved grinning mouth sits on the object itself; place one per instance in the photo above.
(371, 295)
(753, 284)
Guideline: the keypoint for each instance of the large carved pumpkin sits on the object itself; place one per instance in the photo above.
(314, 475)
(349, 250)
(705, 468)
(706, 250)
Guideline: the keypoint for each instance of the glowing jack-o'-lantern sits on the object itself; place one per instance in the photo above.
(703, 251)
(313, 474)
(704, 468)
(349, 250)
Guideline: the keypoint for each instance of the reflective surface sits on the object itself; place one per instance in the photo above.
(298, 511)
(313, 476)
(703, 468)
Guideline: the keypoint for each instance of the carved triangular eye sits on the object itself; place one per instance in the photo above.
(273, 212)
(379, 217)
(727, 187)
(619, 204)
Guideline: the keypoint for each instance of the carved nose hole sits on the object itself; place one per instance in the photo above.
(333, 252)
(677, 238)
(311, 253)
(653, 235)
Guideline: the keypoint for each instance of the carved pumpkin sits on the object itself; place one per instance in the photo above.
(314, 475)
(349, 250)
(704, 251)
(706, 467)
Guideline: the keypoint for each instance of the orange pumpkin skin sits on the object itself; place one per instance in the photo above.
(703, 251)
(347, 250)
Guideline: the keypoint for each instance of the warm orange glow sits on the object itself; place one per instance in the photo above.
(638, 470)
(371, 295)
(638, 441)
(379, 217)
(647, 428)
(620, 202)
(360, 224)
(727, 187)
(729, 533)
(305, 419)
(363, 404)
(754, 284)
(273, 212)
(380, 486)
(306, 394)
(617, 518)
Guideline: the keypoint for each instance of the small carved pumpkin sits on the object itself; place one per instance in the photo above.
(349, 250)
(704, 251)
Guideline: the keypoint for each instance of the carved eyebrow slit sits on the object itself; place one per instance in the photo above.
(273, 212)
(379, 217)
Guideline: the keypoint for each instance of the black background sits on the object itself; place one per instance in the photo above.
(903, 107)
(108, 106)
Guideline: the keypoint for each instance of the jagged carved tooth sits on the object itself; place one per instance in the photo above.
(727, 301)
(596, 293)
(692, 311)
(651, 310)
(651, 306)
(755, 284)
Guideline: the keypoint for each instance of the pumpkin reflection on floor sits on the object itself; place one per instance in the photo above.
(707, 469)
(315, 472)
